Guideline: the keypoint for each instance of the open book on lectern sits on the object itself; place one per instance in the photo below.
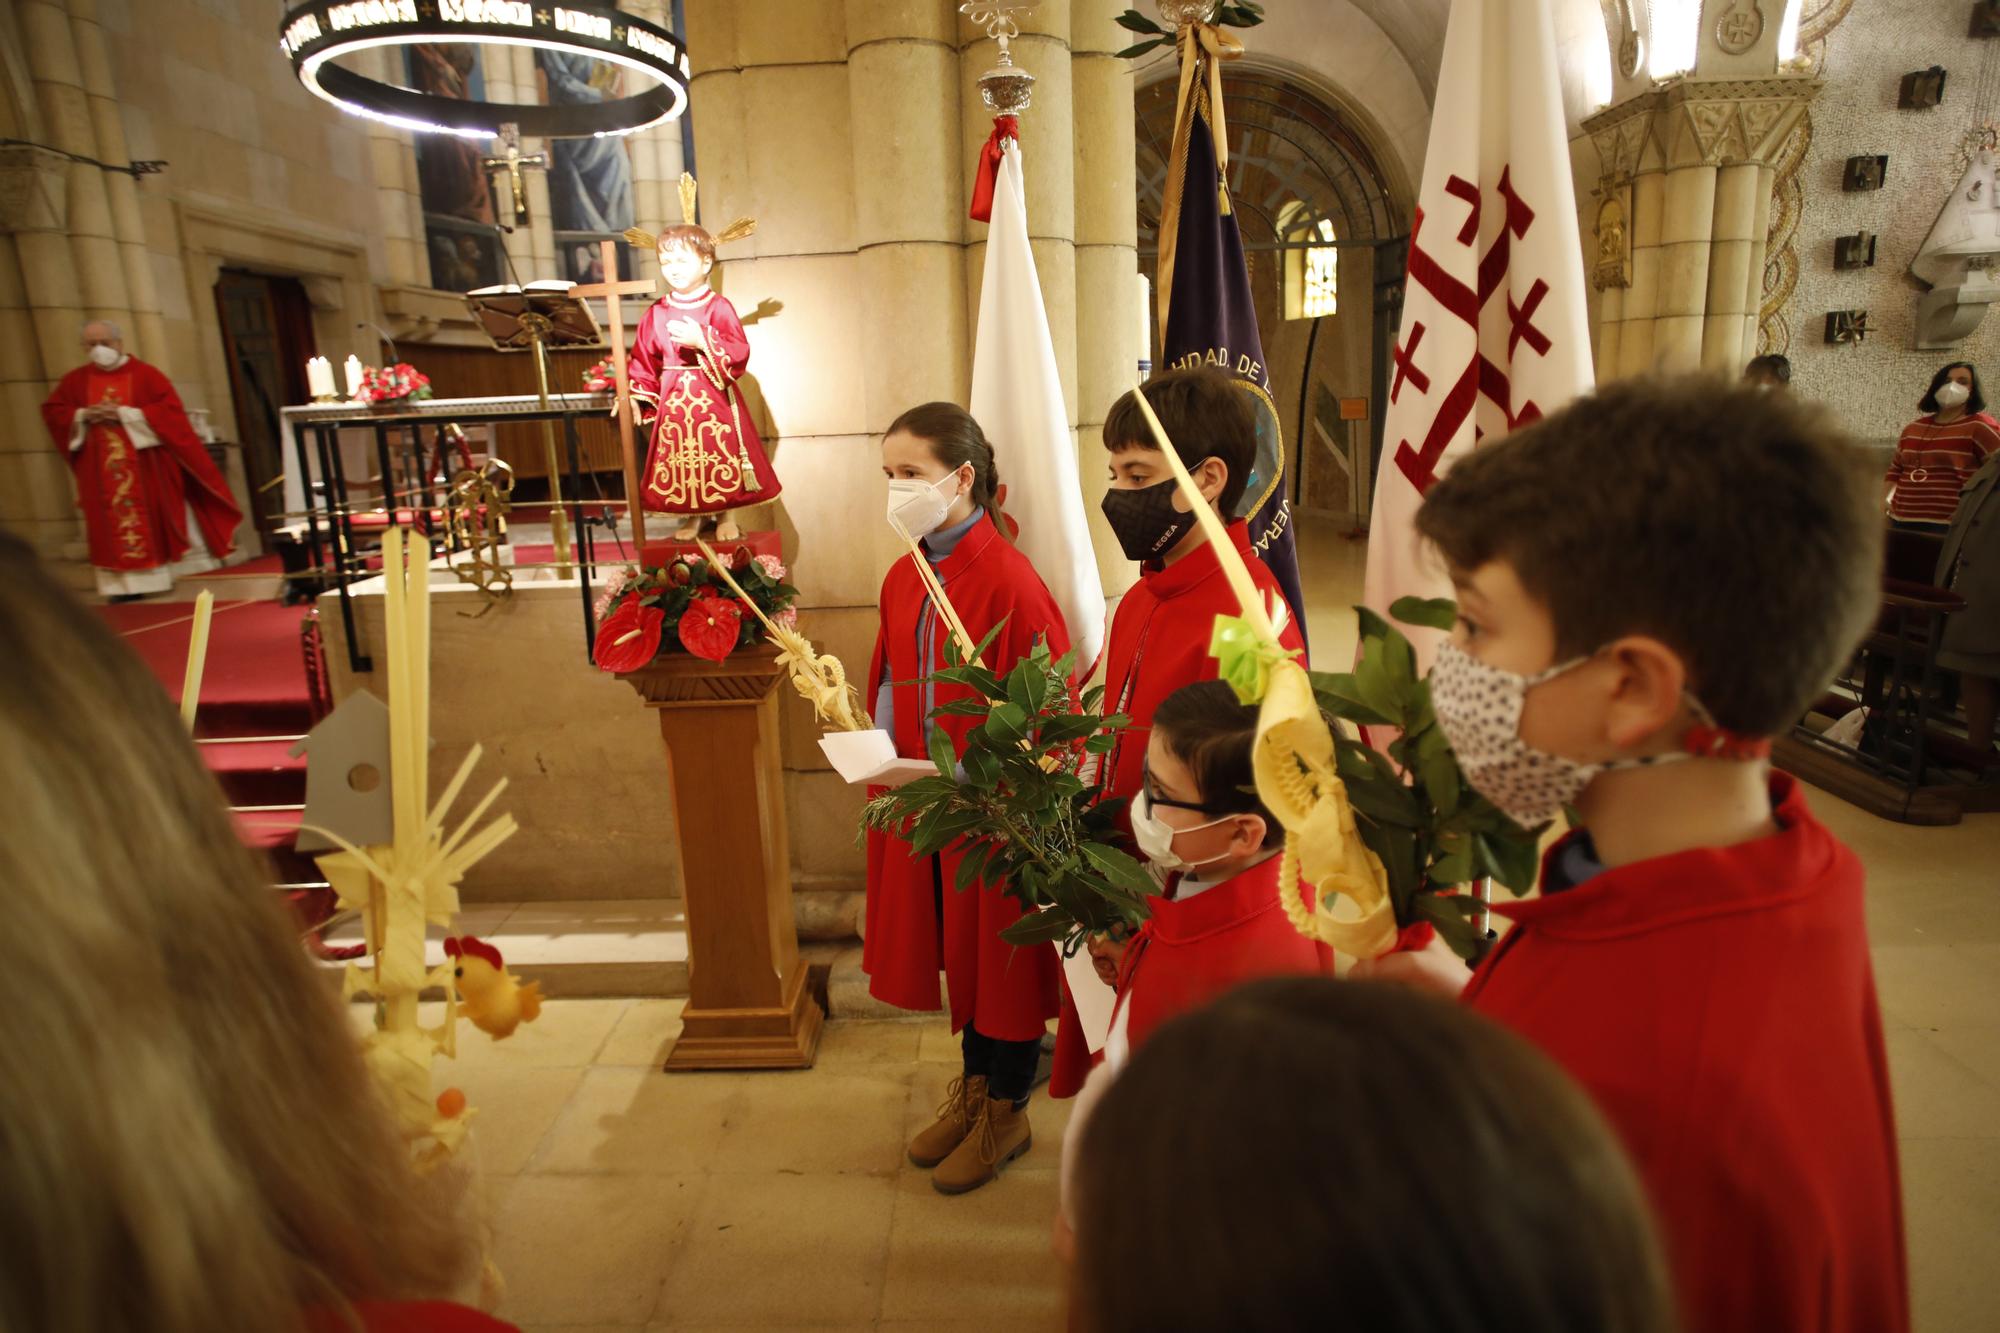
(500, 313)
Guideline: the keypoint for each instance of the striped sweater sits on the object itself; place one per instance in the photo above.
(1932, 462)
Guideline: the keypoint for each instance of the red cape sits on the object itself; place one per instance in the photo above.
(1719, 1005)
(135, 501)
(1193, 950)
(410, 1317)
(1159, 643)
(1007, 993)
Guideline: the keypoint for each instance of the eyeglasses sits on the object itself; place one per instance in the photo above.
(1199, 807)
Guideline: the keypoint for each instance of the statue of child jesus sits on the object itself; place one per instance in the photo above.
(704, 456)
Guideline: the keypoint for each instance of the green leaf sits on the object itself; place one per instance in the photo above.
(1455, 929)
(1451, 861)
(1122, 870)
(1027, 689)
(943, 753)
(1376, 684)
(981, 768)
(1133, 21)
(1438, 771)
(1430, 612)
(1093, 700)
(1338, 694)
(1007, 724)
(1513, 861)
(1133, 51)
(1039, 928)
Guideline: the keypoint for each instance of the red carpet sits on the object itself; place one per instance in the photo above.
(270, 565)
(254, 685)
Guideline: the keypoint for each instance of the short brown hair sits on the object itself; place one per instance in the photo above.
(1206, 414)
(696, 239)
(1207, 728)
(1308, 1153)
(1742, 529)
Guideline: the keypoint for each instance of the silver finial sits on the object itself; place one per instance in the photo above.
(1006, 88)
(1179, 13)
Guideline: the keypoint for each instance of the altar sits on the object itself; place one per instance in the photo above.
(356, 468)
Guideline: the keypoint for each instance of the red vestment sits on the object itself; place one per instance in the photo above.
(135, 500)
(1719, 1005)
(1159, 643)
(705, 456)
(409, 1317)
(1008, 993)
(1193, 949)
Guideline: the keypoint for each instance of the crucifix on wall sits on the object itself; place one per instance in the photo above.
(512, 164)
(611, 289)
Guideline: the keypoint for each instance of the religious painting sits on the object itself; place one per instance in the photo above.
(590, 180)
(579, 258)
(457, 195)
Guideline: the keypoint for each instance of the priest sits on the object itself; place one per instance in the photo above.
(154, 503)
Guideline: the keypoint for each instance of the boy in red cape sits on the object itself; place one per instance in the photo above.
(1652, 582)
(140, 469)
(1197, 818)
(1164, 623)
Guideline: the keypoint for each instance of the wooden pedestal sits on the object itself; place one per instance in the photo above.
(748, 1006)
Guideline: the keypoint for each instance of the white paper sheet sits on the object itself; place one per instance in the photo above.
(869, 758)
(1092, 997)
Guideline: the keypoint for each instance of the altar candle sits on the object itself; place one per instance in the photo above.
(319, 377)
(1145, 326)
(353, 376)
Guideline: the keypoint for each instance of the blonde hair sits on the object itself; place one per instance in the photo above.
(190, 1139)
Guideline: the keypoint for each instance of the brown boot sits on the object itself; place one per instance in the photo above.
(999, 1135)
(954, 1121)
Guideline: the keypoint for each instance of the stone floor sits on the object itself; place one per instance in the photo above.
(623, 1198)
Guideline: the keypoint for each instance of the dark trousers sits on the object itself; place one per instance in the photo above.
(1008, 1066)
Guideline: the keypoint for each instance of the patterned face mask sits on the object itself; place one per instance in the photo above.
(1479, 710)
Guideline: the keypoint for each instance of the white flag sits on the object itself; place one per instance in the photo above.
(1494, 332)
(1017, 399)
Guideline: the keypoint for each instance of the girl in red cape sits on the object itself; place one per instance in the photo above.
(942, 487)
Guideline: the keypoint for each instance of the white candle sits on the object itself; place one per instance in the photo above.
(1145, 324)
(319, 377)
(353, 376)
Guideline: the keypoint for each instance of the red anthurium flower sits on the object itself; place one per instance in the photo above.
(710, 627)
(629, 637)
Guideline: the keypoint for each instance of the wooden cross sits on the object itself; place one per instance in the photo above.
(611, 289)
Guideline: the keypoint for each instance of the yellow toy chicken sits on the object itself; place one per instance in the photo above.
(491, 997)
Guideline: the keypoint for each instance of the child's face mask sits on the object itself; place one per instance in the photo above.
(918, 507)
(1479, 709)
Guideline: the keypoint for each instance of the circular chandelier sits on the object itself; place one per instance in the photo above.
(316, 33)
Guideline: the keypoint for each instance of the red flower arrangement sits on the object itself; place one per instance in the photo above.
(688, 599)
(600, 378)
(398, 383)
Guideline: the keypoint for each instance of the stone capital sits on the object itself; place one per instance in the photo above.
(1700, 122)
(34, 189)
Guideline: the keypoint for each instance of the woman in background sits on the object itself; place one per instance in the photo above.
(1939, 452)
(191, 1143)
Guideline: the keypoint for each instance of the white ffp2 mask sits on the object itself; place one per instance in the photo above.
(1952, 394)
(105, 356)
(915, 507)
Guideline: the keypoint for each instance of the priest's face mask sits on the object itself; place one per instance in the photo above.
(684, 267)
(104, 336)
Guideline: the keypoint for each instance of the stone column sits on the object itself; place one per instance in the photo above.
(910, 190)
(128, 227)
(405, 257)
(656, 153)
(1107, 267)
(1686, 230)
(36, 495)
(1635, 332)
(1610, 323)
(1730, 265)
(57, 73)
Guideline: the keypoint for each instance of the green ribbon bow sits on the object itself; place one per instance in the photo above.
(1245, 658)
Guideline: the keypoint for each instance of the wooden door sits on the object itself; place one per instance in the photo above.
(267, 336)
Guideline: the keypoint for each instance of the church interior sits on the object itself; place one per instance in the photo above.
(520, 378)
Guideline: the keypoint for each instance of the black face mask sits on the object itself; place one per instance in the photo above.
(1145, 521)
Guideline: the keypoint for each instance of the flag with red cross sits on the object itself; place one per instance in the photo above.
(1494, 331)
